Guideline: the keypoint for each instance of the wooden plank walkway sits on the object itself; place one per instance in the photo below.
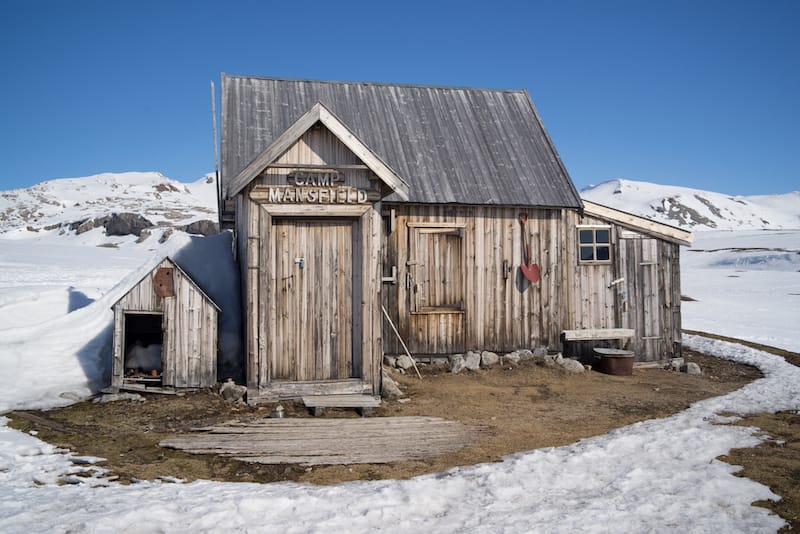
(329, 441)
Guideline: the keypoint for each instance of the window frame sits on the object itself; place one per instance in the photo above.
(594, 245)
(416, 230)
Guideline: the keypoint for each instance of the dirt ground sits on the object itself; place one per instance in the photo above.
(519, 408)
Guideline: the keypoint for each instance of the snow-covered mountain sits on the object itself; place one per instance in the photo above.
(73, 206)
(695, 209)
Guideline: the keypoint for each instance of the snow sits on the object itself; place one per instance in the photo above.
(161, 200)
(654, 475)
(62, 338)
(746, 285)
(56, 292)
(695, 209)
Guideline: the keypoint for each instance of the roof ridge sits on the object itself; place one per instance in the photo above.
(379, 84)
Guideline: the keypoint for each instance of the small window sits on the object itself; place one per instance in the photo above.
(594, 244)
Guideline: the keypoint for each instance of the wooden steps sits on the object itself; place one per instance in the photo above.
(310, 441)
(363, 403)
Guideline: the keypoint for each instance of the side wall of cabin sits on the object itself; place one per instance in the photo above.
(458, 284)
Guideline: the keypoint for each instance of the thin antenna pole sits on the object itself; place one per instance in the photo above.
(216, 152)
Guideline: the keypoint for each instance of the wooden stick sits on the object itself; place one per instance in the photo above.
(386, 314)
(220, 202)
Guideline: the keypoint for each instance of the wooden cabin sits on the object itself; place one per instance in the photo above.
(165, 334)
(346, 197)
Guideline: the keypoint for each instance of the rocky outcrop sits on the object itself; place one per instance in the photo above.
(204, 228)
(126, 224)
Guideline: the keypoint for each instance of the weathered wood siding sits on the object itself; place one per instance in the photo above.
(189, 325)
(501, 310)
(639, 289)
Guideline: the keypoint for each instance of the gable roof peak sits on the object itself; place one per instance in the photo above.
(318, 114)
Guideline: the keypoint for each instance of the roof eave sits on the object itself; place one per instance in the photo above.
(635, 222)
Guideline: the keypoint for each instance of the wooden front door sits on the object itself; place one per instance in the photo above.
(314, 299)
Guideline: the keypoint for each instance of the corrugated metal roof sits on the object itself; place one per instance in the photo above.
(450, 144)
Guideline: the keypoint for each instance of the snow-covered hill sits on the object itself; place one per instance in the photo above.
(73, 206)
(695, 209)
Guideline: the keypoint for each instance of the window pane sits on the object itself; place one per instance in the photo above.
(601, 236)
(586, 236)
(587, 253)
(603, 253)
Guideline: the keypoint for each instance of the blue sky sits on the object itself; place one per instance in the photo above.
(695, 93)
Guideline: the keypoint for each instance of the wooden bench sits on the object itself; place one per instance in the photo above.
(363, 403)
(589, 334)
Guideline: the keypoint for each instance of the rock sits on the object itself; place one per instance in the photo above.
(232, 392)
(85, 225)
(457, 363)
(550, 360)
(513, 357)
(204, 228)
(166, 235)
(143, 236)
(389, 389)
(114, 397)
(391, 361)
(488, 359)
(472, 361)
(676, 364)
(404, 362)
(691, 368)
(540, 356)
(571, 366)
(525, 354)
(126, 224)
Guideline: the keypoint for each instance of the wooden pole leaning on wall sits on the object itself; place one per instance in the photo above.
(386, 314)
(220, 206)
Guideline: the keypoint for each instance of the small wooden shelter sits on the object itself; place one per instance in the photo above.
(346, 197)
(165, 333)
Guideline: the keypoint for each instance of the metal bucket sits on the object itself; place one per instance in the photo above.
(615, 361)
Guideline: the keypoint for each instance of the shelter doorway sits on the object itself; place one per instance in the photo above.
(317, 299)
(143, 346)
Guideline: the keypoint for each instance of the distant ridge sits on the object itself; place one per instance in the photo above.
(695, 209)
(67, 206)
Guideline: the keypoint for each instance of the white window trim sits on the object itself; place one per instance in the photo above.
(594, 227)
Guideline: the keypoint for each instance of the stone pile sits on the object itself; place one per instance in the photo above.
(475, 361)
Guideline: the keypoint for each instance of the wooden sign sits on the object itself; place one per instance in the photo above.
(322, 178)
(163, 282)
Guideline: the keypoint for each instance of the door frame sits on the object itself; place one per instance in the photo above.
(300, 264)
(366, 251)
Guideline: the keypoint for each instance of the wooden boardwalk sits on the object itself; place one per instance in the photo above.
(376, 440)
